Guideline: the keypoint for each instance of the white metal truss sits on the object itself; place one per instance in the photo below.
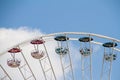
(44, 60)
(5, 75)
(68, 33)
(86, 62)
(66, 58)
(67, 69)
(107, 65)
(46, 66)
(26, 70)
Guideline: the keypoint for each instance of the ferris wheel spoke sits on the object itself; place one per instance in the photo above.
(109, 57)
(70, 59)
(65, 59)
(68, 68)
(43, 70)
(6, 74)
(61, 57)
(86, 57)
(50, 62)
(29, 68)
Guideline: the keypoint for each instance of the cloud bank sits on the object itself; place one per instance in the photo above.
(10, 37)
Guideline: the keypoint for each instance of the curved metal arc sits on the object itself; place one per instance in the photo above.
(83, 33)
(68, 33)
(79, 33)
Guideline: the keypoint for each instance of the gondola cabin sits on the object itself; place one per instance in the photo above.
(37, 54)
(61, 51)
(13, 63)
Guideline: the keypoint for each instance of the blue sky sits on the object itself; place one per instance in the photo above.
(50, 16)
(96, 16)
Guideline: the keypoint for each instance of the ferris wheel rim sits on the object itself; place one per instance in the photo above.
(67, 33)
(66, 37)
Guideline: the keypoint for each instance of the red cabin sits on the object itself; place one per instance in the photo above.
(37, 54)
(37, 41)
(14, 50)
(13, 63)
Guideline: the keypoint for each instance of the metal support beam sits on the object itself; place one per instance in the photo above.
(106, 67)
(51, 67)
(26, 65)
(86, 61)
(5, 73)
(70, 59)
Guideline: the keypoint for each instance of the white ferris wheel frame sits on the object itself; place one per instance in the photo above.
(70, 38)
(71, 33)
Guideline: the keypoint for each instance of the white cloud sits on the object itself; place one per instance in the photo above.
(10, 37)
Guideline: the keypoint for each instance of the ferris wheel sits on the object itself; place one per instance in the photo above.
(61, 56)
